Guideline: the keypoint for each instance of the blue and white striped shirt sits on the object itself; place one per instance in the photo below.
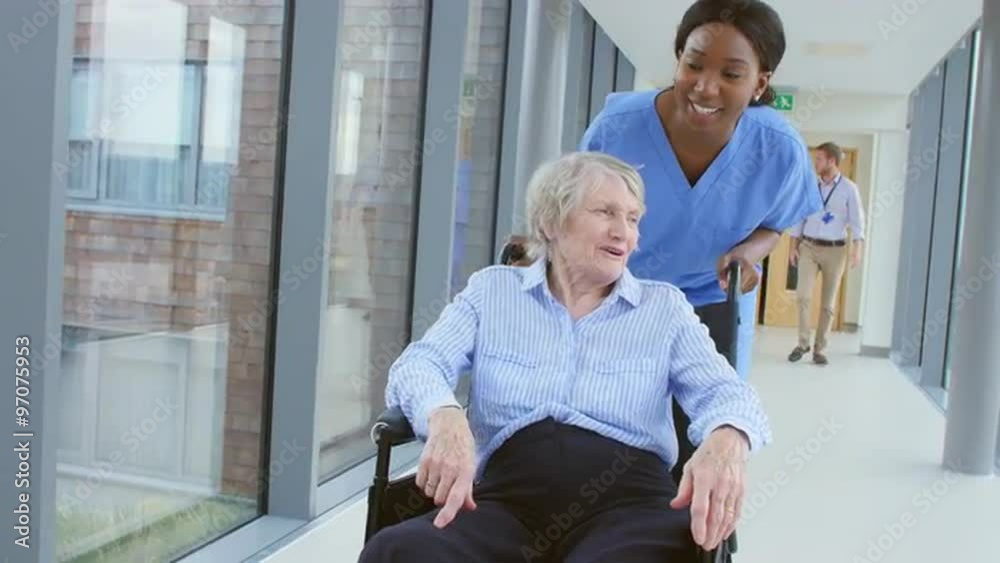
(613, 371)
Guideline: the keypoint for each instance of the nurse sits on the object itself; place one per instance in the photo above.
(725, 173)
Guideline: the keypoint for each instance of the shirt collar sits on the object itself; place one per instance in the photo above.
(832, 180)
(627, 288)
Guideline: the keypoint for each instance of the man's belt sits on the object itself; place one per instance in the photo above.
(821, 242)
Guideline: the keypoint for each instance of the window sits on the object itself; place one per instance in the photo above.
(380, 103)
(164, 378)
(135, 128)
(966, 161)
(480, 126)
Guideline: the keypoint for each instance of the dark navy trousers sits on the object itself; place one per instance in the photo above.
(554, 493)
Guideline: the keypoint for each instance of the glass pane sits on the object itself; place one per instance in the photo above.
(145, 174)
(81, 180)
(223, 76)
(163, 358)
(82, 98)
(145, 110)
(213, 182)
(966, 159)
(80, 170)
(792, 278)
(379, 101)
(479, 128)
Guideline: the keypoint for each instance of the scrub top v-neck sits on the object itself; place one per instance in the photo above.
(763, 177)
(674, 172)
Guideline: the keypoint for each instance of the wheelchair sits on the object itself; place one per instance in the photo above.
(391, 501)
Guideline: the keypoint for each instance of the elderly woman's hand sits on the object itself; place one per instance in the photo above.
(447, 465)
(714, 485)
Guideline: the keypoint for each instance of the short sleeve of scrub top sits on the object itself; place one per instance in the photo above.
(762, 178)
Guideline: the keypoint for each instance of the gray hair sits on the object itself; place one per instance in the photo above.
(559, 186)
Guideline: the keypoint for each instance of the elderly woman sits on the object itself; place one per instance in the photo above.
(567, 450)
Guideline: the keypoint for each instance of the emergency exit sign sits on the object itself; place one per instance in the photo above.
(784, 102)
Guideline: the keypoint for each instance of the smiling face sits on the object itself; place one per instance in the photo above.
(600, 233)
(717, 76)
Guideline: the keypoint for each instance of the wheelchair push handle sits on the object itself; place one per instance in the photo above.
(733, 294)
(734, 273)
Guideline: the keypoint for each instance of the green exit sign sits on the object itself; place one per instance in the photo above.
(784, 102)
(469, 87)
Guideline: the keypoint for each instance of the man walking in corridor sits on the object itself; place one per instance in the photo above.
(819, 245)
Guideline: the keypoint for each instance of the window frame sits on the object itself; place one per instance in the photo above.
(291, 500)
(96, 198)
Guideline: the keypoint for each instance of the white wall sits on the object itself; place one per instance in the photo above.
(642, 83)
(823, 109)
(885, 232)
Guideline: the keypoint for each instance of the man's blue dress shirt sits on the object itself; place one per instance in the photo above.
(613, 371)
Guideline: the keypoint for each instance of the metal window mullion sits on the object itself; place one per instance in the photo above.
(104, 149)
(32, 242)
(602, 80)
(449, 22)
(945, 215)
(89, 170)
(513, 82)
(927, 220)
(197, 127)
(305, 207)
(971, 432)
(579, 63)
(97, 141)
(624, 73)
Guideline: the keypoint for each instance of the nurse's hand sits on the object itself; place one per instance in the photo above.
(749, 278)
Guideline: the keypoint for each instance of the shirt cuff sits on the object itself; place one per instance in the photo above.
(421, 415)
(758, 437)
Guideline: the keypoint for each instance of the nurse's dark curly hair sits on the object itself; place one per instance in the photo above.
(757, 21)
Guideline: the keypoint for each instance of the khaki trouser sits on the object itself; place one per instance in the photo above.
(830, 262)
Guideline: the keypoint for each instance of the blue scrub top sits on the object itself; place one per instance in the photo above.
(763, 177)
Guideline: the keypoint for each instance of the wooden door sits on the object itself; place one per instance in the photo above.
(780, 304)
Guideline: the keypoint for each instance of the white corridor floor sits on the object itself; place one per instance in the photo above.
(857, 450)
(854, 474)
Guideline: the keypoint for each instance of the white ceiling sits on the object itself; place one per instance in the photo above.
(838, 45)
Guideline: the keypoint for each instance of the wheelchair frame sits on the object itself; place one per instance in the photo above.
(391, 501)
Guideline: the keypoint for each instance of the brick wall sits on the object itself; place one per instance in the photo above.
(182, 273)
(383, 46)
(382, 51)
(486, 53)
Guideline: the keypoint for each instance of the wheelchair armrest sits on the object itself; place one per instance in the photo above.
(393, 426)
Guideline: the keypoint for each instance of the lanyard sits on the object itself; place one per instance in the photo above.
(833, 189)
